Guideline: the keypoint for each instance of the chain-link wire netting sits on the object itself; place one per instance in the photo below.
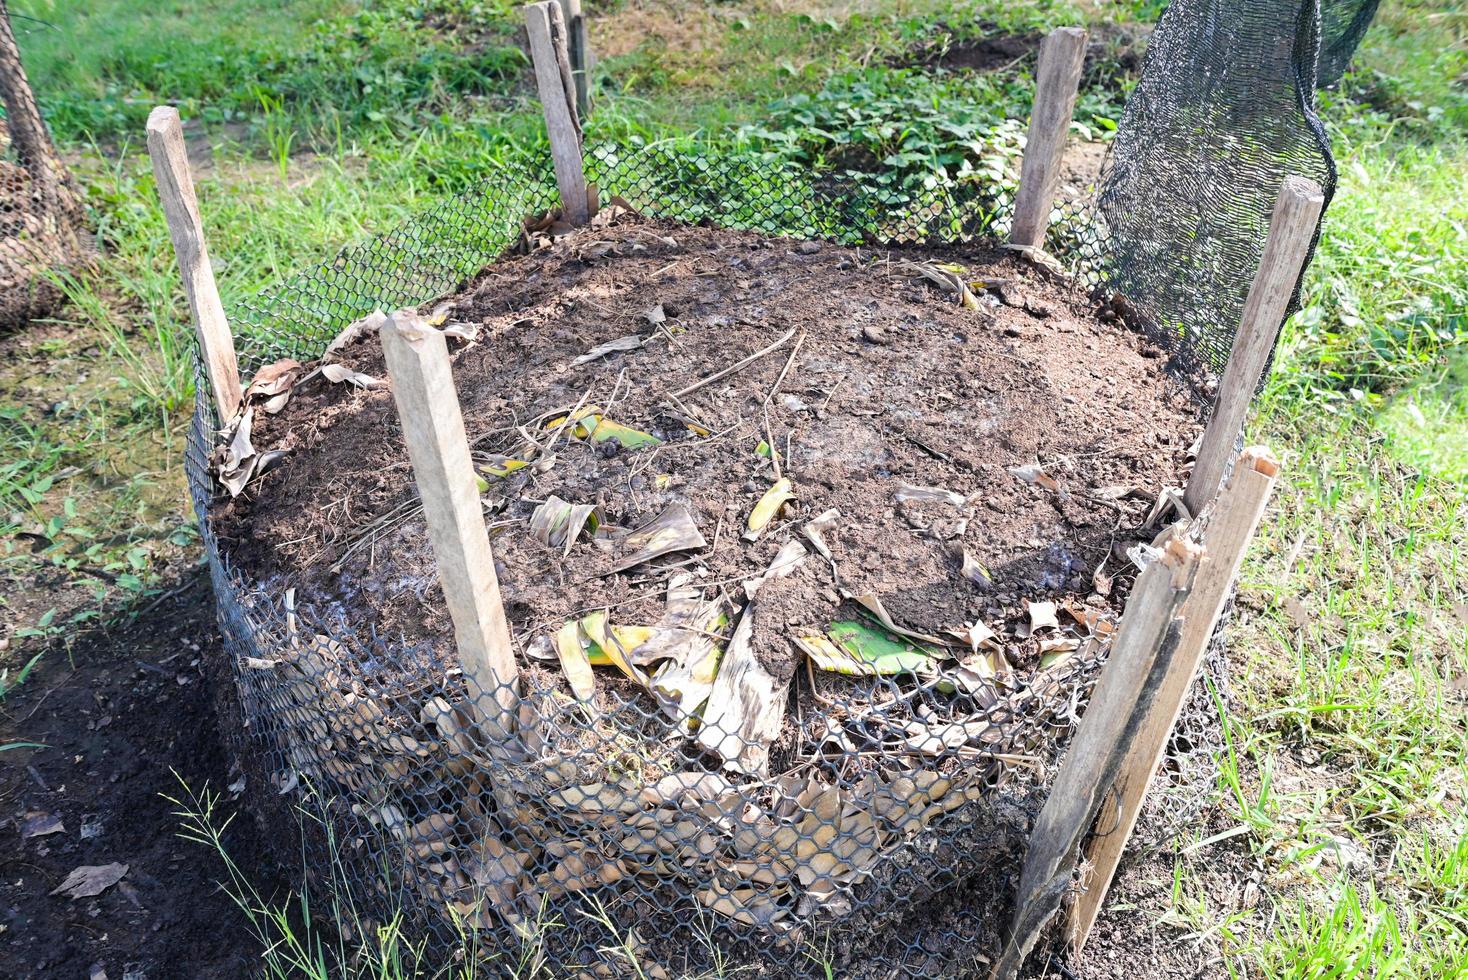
(43, 234)
(886, 837)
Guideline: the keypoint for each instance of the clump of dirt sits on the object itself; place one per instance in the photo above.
(892, 384)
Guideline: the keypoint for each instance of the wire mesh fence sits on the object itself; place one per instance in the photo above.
(582, 845)
(43, 235)
(884, 836)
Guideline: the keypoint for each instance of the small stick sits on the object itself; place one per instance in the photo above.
(553, 79)
(1123, 691)
(544, 451)
(181, 209)
(433, 428)
(775, 388)
(832, 393)
(770, 441)
(735, 367)
(1231, 527)
(1291, 230)
(1062, 55)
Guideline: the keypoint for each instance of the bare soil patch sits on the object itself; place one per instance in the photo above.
(120, 719)
(1113, 54)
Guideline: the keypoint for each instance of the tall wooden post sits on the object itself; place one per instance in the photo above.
(1230, 527)
(1291, 230)
(1131, 676)
(181, 209)
(1062, 55)
(578, 46)
(433, 427)
(556, 84)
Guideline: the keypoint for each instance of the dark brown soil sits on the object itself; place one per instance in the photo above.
(1113, 54)
(123, 718)
(893, 383)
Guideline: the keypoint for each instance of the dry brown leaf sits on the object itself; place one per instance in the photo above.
(874, 605)
(352, 332)
(239, 460)
(672, 530)
(907, 492)
(40, 824)
(1034, 473)
(90, 880)
(1042, 616)
(622, 344)
(558, 523)
(337, 373)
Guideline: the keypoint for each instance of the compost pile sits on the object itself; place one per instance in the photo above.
(809, 554)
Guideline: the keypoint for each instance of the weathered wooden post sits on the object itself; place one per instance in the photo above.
(1230, 527)
(578, 46)
(181, 209)
(1062, 55)
(555, 82)
(433, 428)
(1291, 230)
(1132, 674)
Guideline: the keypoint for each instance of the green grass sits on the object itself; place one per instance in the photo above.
(334, 120)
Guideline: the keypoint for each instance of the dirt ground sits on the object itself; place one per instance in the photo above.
(126, 719)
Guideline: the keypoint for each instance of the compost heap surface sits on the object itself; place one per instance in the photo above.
(966, 467)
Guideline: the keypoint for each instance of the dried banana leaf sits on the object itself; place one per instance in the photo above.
(672, 530)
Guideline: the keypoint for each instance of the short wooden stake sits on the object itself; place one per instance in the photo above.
(181, 209)
(1291, 230)
(1132, 673)
(1230, 527)
(433, 427)
(1062, 55)
(557, 87)
(578, 46)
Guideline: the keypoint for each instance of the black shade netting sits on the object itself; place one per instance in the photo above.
(1343, 25)
(1224, 111)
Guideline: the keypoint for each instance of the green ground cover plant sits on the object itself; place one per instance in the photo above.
(322, 122)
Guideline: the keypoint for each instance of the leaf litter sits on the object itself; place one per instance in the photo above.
(827, 690)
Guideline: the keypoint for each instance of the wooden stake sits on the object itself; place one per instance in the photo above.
(1291, 230)
(1231, 524)
(578, 47)
(181, 209)
(1132, 673)
(1062, 55)
(557, 87)
(433, 427)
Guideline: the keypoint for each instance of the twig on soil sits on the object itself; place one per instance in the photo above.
(775, 388)
(738, 366)
(832, 393)
(570, 420)
(688, 412)
(770, 441)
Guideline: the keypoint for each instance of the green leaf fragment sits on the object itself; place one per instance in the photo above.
(860, 650)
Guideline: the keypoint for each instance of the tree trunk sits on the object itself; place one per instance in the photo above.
(42, 219)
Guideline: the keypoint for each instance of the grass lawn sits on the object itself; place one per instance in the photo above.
(315, 123)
